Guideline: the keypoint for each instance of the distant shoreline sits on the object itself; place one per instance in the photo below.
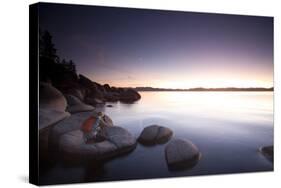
(201, 91)
(207, 89)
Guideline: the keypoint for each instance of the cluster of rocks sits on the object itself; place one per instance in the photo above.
(180, 153)
(60, 120)
(94, 93)
(66, 96)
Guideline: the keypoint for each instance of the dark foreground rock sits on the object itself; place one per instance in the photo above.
(117, 142)
(155, 134)
(267, 151)
(75, 105)
(181, 154)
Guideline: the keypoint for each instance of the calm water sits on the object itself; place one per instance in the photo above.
(227, 127)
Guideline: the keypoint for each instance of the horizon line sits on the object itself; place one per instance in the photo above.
(148, 88)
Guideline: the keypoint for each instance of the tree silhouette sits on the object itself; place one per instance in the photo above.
(47, 51)
(51, 67)
(72, 66)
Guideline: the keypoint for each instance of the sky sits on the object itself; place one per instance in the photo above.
(166, 49)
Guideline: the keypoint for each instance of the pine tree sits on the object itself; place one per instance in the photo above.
(47, 51)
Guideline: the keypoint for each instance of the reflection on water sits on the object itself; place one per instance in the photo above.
(227, 127)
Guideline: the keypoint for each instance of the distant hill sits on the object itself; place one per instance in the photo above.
(206, 89)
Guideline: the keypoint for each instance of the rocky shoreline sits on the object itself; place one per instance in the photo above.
(60, 135)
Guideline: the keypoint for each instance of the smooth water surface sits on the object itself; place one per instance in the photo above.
(227, 127)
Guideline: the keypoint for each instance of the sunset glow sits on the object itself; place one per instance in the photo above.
(164, 49)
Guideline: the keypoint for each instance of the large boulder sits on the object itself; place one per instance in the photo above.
(267, 151)
(74, 122)
(117, 142)
(181, 154)
(52, 105)
(129, 95)
(155, 134)
(51, 98)
(75, 105)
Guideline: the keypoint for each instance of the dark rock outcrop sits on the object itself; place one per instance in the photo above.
(94, 93)
(112, 96)
(93, 90)
(129, 95)
(181, 154)
(107, 88)
(155, 134)
(75, 105)
(267, 151)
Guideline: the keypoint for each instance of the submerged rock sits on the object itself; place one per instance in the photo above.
(155, 134)
(76, 105)
(181, 154)
(267, 151)
(117, 141)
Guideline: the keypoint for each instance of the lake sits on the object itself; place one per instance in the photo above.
(227, 127)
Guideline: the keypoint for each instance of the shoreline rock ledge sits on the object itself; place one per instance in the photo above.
(155, 134)
(181, 154)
